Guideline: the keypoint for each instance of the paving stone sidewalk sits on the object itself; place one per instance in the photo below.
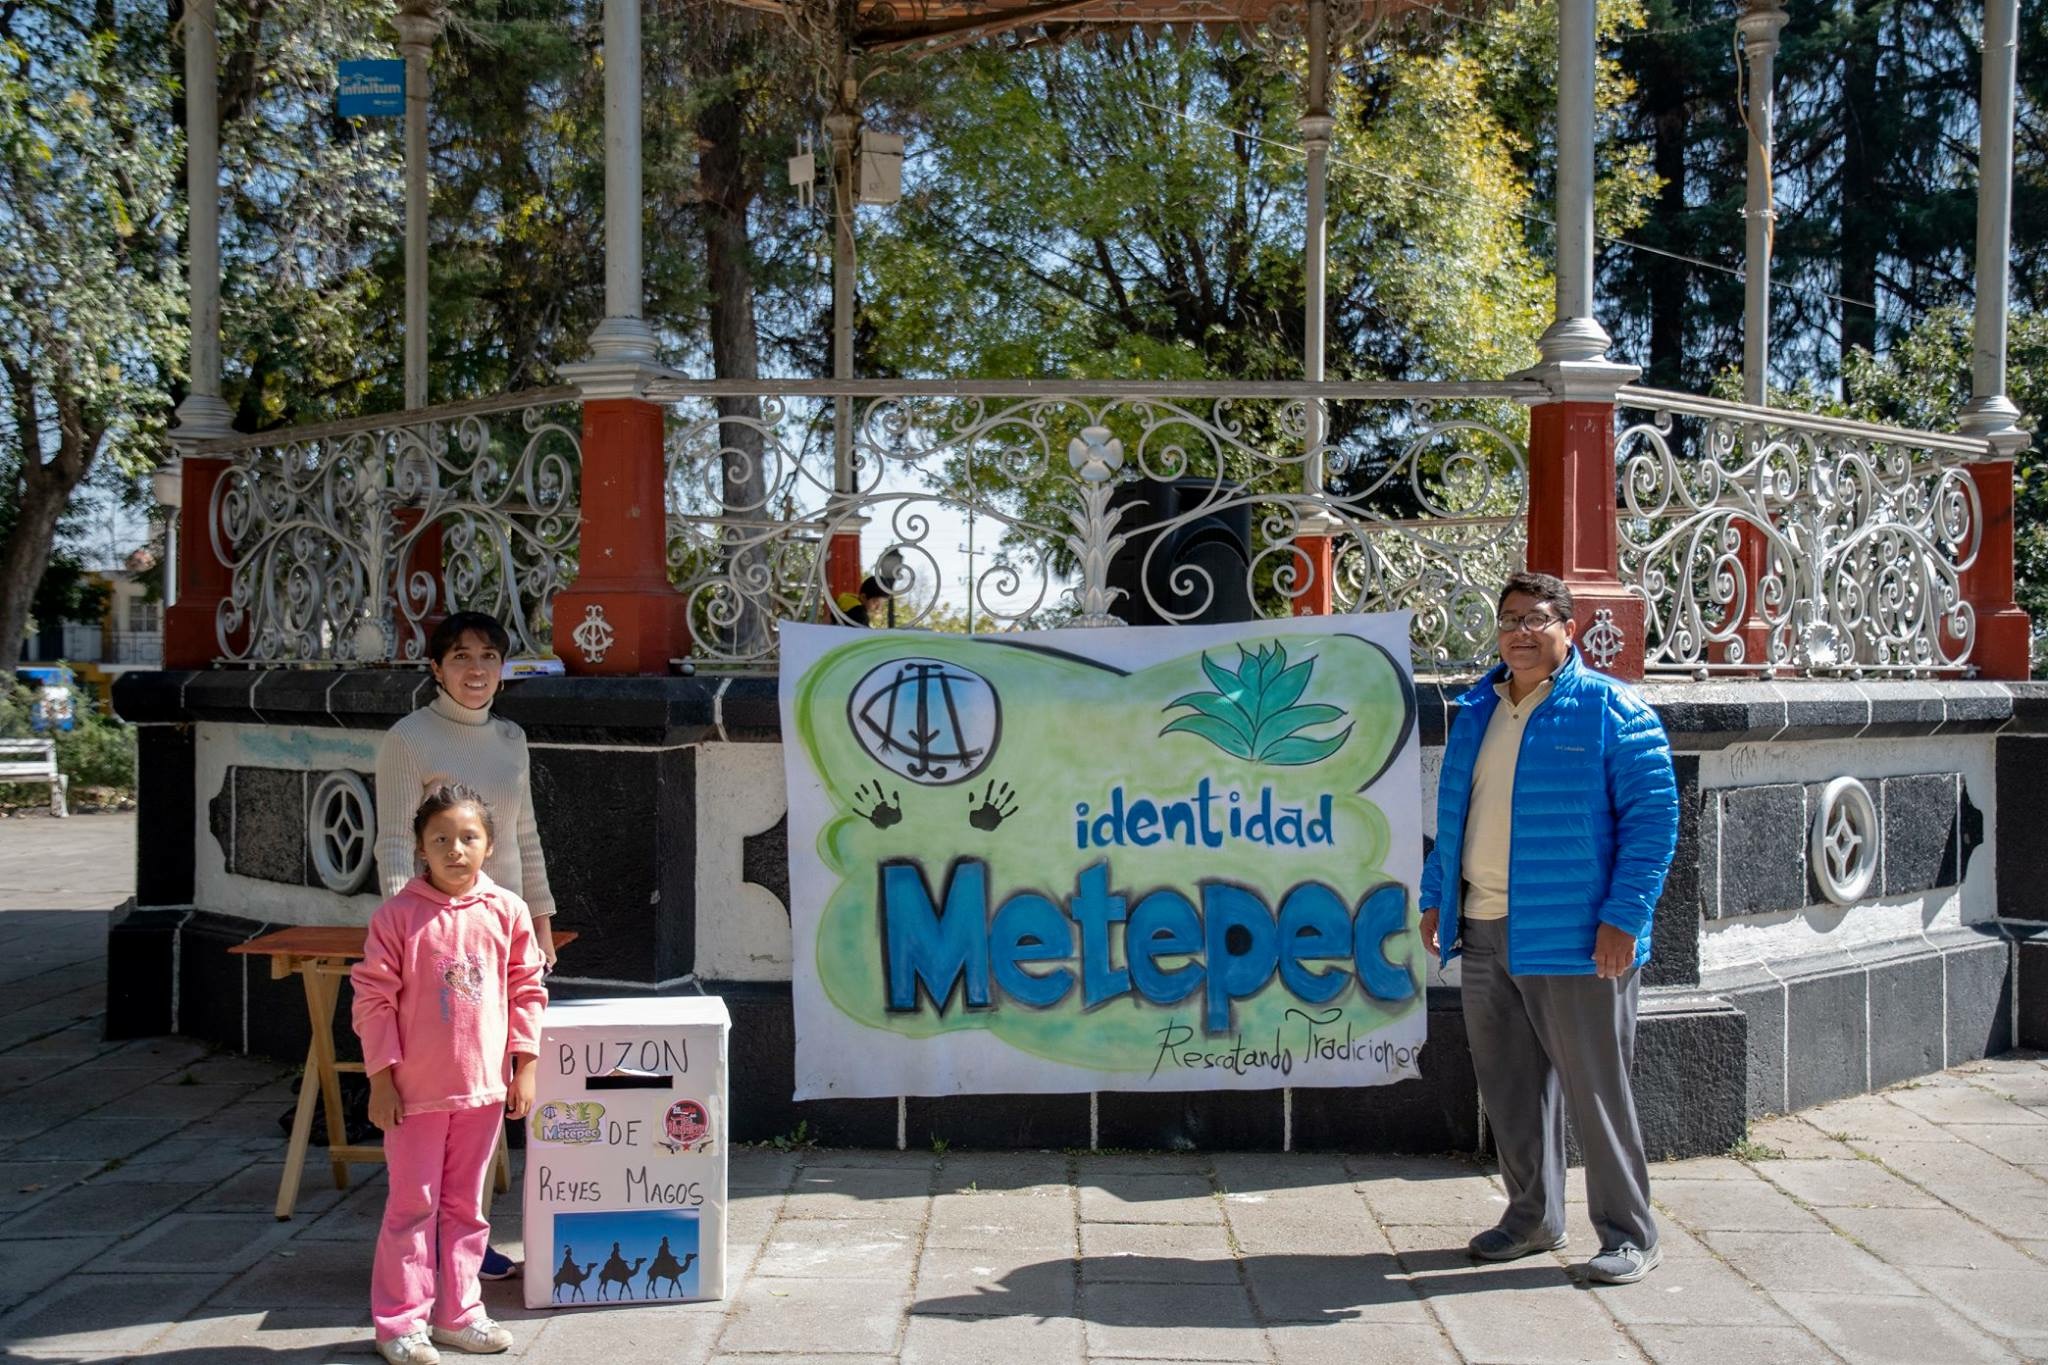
(136, 1181)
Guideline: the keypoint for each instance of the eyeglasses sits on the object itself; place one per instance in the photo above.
(1534, 621)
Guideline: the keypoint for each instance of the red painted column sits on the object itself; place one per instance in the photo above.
(190, 638)
(1752, 555)
(422, 558)
(1316, 557)
(2004, 648)
(1571, 529)
(842, 570)
(620, 615)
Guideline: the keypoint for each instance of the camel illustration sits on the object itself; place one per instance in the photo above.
(569, 1277)
(616, 1271)
(665, 1267)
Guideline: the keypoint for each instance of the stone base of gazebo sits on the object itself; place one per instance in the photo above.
(660, 803)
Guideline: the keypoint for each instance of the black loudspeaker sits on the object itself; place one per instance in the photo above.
(1216, 549)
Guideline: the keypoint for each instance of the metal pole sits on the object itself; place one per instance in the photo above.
(843, 125)
(624, 333)
(1989, 412)
(1575, 335)
(202, 414)
(418, 26)
(1315, 126)
(1759, 27)
(171, 559)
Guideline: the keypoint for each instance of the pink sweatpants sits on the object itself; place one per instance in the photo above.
(436, 1165)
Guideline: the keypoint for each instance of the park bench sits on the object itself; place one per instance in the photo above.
(34, 760)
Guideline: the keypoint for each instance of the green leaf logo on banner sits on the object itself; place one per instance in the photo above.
(1251, 713)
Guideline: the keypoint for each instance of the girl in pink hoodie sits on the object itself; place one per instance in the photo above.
(448, 999)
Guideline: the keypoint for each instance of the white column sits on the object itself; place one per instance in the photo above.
(624, 333)
(1315, 127)
(1989, 412)
(843, 126)
(419, 24)
(1759, 26)
(202, 415)
(1574, 335)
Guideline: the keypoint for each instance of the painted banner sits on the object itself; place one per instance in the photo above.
(1175, 858)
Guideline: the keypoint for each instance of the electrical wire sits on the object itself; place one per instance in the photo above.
(1427, 188)
(1477, 21)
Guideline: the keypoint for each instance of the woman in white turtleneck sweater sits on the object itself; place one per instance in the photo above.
(455, 738)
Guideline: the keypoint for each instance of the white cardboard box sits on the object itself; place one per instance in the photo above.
(625, 1153)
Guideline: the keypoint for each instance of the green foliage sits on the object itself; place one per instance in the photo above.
(90, 212)
(98, 751)
(1515, 51)
(1875, 167)
(1135, 211)
(1748, 1149)
(310, 201)
(797, 1139)
(1252, 713)
(90, 290)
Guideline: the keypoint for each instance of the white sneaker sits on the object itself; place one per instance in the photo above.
(410, 1349)
(481, 1338)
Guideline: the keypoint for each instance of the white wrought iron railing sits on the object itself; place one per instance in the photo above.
(343, 539)
(1088, 499)
(1761, 540)
(1768, 541)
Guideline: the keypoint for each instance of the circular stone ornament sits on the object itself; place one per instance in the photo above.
(1846, 842)
(340, 831)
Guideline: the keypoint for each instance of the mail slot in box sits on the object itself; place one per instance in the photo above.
(625, 1153)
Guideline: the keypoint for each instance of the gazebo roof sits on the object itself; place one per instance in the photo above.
(886, 25)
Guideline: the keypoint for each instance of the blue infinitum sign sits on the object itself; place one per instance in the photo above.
(371, 88)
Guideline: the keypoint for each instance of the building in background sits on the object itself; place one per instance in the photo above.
(128, 634)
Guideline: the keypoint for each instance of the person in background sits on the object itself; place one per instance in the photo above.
(1557, 815)
(448, 1002)
(455, 738)
(868, 607)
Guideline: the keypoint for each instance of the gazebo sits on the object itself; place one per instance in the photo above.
(1661, 593)
(1812, 601)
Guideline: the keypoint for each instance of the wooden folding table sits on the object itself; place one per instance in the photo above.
(321, 954)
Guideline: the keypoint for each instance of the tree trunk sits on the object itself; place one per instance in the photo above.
(726, 185)
(44, 493)
(1863, 215)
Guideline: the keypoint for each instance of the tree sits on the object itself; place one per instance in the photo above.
(1682, 322)
(1875, 173)
(308, 199)
(89, 289)
(1133, 210)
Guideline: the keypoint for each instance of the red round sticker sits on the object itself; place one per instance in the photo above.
(686, 1121)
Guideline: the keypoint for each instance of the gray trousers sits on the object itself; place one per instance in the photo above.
(1533, 1037)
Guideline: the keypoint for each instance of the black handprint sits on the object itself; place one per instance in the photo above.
(997, 804)
(886, 811)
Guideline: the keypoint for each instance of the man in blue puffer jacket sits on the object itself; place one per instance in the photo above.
(1557, 814)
